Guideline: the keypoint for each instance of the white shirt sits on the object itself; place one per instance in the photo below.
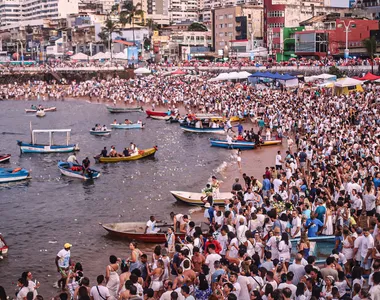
(248, 197)
(276, 185)
(151, 226)
(64, 258)
(22, 293)
(72, 158)
(223, 241)
(244, 282)
(358, 245)
(292, 287)
(210, 259)
(296, 223)
(367, 243)
(102, 290)
(278, 160)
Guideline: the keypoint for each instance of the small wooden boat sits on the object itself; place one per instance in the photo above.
(156, 113)
(118, 110)
(242, 145)
(33, 147)
(11, 175)
(128, 126)
(188, 128)
(47, 109)
(3, 246)
(136, 231)
(76, 171)
(166, 118)
(195, 198)
(271, 142)
(40, 113)
(100, 132)
(142, 154)
(4, 157)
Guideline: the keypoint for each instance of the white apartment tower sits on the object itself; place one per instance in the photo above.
(183, 10)
(22, 11)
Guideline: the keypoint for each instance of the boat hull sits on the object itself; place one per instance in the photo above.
(135, 231)
(195, 198)
(48, 109)
(64, 168)
(4, 248)
(242, 145)
(271, 143)
(100, 133)
(156, 113)
(118, 110)
(202, 130)
(4, 158)
(30, 148)
(166, 118)
(8, 175)
(146, 153)
(127, 126)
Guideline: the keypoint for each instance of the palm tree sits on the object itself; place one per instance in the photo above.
(132, 11)
(106, 33)
(197, 27)
(370, 46)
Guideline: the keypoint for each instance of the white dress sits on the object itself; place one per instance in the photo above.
(113, 282)
(329, 226)
(347, 252)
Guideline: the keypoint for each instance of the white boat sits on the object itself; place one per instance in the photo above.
(34, 147)
(195, 198)
(40, 113)
(161, 117)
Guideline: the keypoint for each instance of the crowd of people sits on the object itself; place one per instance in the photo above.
(261, 243)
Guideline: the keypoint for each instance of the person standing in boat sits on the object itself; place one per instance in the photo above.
(72, 159)
(104, 152)
(86, 165)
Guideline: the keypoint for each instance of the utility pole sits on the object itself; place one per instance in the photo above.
(347, 30)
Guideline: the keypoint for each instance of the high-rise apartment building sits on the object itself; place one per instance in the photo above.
(157, 10)
(16, 11)
(183, 10)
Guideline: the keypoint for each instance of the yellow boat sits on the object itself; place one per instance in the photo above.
(236, 119)
(142, 154)
(271, 142)
(195, 198)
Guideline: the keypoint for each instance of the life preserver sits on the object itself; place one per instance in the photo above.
(141, 152)
(76, 168)
(16, 170)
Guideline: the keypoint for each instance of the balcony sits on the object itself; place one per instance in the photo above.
(240, 2)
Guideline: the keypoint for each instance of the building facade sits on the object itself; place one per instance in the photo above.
(183, 10)
(332, 40)
(289, 13)
(23, 11)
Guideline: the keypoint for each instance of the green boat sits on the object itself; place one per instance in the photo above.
(115, 109)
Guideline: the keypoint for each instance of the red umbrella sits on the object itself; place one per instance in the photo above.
(178, 72)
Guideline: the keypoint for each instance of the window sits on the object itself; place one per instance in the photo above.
(230, 16)
(221, 43)
(220, 17)
(353, 25)
(249, 16)
(275, 14)
(230, 25)
(221, 34)
(340, 25)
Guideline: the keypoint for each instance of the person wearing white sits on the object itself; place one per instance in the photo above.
(245, 287)
(212, 258)
(99, 292)
(284, 248)
(289, 284)
(295, 230)
(151, 226)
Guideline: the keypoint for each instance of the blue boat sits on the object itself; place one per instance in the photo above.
(76, 171)
(10, 175)
(34, 147)
(128, 126)
(100, 132)
(188, 128)
(242, 145)
(321, 247)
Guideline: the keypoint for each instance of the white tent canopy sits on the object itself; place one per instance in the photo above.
(121, 55)
(232, 76)
(348, 82)
(79, 56)
(324, 77)
(99, 55)
(243, 75)
(142, 71)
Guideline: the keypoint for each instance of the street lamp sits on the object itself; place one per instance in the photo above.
(347, 27)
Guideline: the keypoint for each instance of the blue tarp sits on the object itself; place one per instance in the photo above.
(272, 76)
